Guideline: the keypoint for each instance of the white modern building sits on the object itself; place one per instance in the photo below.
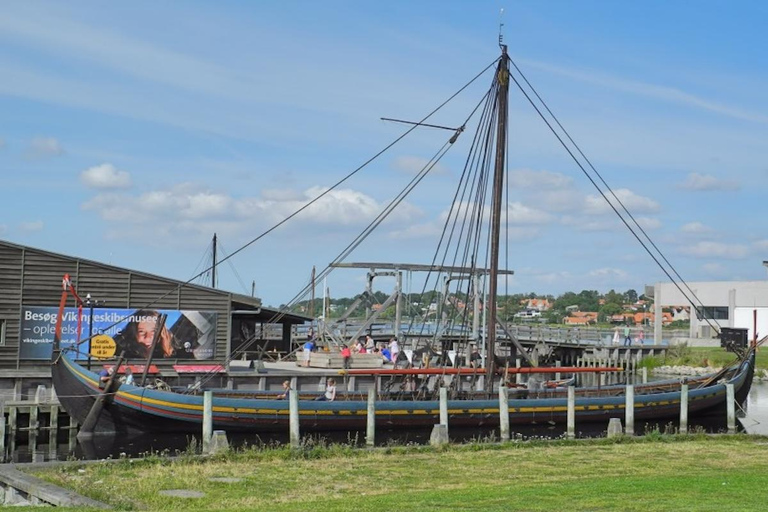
(727, 304)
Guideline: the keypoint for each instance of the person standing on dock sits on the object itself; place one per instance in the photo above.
(616, 336)
(369, 344)
(346, 355)
(309, 346)
(394, 349)
(627, 336)
(386, 354)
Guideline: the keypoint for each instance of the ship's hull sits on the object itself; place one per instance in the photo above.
(134, 408)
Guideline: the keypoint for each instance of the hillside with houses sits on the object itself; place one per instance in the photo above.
(586, 308)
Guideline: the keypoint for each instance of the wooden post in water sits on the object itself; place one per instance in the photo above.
(644, 373)
(630, 411)
(444, 406)
(53, 428)
(13, 416)
(518, 376)
(571, 422)
(293, 418)
(731, 408)
(684, 409)
(504, 412)
(2, 432)
(370, 434)
(557, 365)
(207, 420)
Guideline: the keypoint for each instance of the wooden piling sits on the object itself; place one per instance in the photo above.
(519, 376)
(370, 434)
(504, 412)
(293, 418)
(557, 365)
(571, 425)
(208, 420)
(34, 421)
(684, 409)
(444, 406)
(644, 373)
(13, 416)
(2, 432)
(630, 411)
(731, 408)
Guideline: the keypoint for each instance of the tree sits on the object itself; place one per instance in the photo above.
(608, 310)
(631, 296)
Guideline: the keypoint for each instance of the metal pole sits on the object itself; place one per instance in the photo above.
(399, 305)
(215, 263)
(89, 302)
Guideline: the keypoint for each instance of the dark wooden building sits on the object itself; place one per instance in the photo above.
(30, 288)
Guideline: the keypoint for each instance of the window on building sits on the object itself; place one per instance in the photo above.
(713, 312)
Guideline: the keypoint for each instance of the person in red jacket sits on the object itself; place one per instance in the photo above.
(346, 354)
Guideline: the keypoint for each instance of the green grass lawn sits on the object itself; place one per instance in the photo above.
(654, 473)
(707, 356)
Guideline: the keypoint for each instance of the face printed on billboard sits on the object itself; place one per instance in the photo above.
(187, 334)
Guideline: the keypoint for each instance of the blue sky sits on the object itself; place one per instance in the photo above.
(131, 132)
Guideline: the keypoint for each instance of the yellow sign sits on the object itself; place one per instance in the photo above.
(103, 345)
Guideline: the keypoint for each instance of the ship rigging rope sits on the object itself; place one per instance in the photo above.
(394, 203)
(473, 183)
(308, 204)
(700, 309)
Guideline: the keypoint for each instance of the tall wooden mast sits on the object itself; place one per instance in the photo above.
(502, 75)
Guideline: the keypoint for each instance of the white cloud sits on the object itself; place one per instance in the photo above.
(414, 165)
(553, 277)
(31, 226)
(558, 200)
(607, 272)
(187, 207)
(695, 228)
(714, 269)
(105, 176)
(661, 92)
(44, 147)
(590, 224)
(521, 214)
(596, 205)
(417, 231)
(528, 178)
(706, 182)
(648, 223)
(706, 249)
